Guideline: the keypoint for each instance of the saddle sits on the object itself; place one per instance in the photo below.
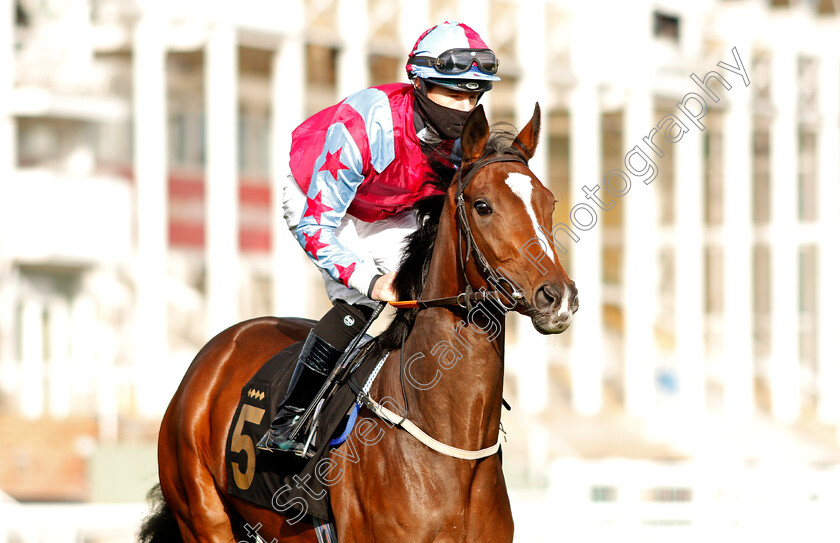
(287, 482)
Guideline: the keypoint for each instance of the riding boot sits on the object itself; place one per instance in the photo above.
(312, 367)
(321, 350)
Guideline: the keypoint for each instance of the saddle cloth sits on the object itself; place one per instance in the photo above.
(283, 481)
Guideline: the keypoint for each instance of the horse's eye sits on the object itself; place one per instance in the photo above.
(482, 207)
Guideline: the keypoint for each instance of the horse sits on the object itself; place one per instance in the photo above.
(481, 248)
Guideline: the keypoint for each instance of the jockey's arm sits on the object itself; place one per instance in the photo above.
(336, 176)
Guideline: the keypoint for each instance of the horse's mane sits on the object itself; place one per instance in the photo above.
(417, 255)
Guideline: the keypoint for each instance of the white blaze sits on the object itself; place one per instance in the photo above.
(521, 186)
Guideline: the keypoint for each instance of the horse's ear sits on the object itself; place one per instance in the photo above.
(526, 141)
(474, 136)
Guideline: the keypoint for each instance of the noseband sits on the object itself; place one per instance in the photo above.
(495, 279)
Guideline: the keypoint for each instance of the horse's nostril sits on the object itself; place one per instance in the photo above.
(544, 299)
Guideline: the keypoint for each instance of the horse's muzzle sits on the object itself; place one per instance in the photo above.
(555, 304)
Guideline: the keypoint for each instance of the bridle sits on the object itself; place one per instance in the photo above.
(465, 300)
(494, 278)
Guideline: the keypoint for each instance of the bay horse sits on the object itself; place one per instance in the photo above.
(477, 237)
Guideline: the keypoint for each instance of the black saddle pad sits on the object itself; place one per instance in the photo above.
(283, 481)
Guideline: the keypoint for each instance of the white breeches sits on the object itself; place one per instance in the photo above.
(378, 243)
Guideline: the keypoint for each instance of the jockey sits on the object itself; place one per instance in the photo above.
(356, 170)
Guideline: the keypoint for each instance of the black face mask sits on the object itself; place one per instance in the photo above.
(447, 122)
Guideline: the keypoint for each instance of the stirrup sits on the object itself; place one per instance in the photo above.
(276, 438)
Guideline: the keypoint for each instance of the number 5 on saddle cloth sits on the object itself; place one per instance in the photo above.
(322, 364)
(275, 392)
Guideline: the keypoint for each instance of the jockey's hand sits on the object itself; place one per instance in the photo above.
(383, 289)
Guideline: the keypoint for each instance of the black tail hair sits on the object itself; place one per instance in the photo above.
(160, 525)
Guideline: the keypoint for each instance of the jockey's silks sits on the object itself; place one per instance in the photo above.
(380, 157)
(359, 157)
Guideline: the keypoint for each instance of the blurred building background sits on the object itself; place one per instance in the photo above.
(699, 387)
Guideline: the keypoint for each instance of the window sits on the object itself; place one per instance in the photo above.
(321, 65)
(612, 159)
(762, 301)
(670, 495)
(384, 70)
(664, 185)
(808, 262)
(807, 175)
(714, 279)
(253, 139)
(713, 182)
(177, 139)
(666, 26)
(761, 174)
(186, 140)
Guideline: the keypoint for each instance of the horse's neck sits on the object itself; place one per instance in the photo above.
(454, 389)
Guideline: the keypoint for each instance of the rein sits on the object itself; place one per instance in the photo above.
(465, 300)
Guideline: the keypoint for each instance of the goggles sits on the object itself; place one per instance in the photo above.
(458, 61)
